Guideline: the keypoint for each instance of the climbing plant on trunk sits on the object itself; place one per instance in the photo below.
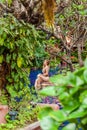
(17, 48)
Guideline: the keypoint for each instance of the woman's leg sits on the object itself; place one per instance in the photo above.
(44, 78)
(38, 83)
(53, 106)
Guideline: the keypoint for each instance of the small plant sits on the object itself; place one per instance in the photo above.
(3, 98)
(20, 113)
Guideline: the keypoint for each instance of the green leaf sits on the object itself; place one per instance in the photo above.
(80, 7)
(61, 89)
(79, 81)
(1, 50)
(71, 106)
(83, 95)
(10, 80)
(70, 126)
(4, 35)
(83, 12)
(84, 121)
(79, 72)
(11, 90)
(59, 115)
(1, 59)
(8, 58)
(85, 75)
(14, 56)
(78, 113)
(13, 74)
(49, 91)
(1, 41)
(85, 63)
(71, 79)
(73, 90)
(48, 123)
(84, 103)
(17, 78)
(13, 65)
(74, 5)
(2, 1)
(64, 95)
(44, 112)
(57, 79)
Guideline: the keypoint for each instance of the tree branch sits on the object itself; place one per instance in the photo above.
(6, 8)
(56, 54)
(79, 38)
(57, 36)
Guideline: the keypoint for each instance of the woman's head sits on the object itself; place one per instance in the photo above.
(46, 62)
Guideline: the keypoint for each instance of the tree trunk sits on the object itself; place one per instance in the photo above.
(69, 60)
(79, 55)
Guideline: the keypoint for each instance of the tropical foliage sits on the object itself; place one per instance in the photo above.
(73, 96)
(17, 49)
(25, 42)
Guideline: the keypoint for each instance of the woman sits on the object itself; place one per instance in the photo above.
(52, 102)
(44, 77)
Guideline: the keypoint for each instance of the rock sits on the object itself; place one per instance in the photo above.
(3, 112)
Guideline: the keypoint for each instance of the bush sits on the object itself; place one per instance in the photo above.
(18, 41)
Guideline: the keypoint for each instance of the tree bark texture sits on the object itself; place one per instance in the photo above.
(79, 55)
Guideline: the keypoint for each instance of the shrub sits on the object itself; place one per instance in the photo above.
(72, 92)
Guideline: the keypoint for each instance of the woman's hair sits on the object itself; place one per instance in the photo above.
(47, 61)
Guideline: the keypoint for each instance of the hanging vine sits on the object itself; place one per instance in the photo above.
(49, 7)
